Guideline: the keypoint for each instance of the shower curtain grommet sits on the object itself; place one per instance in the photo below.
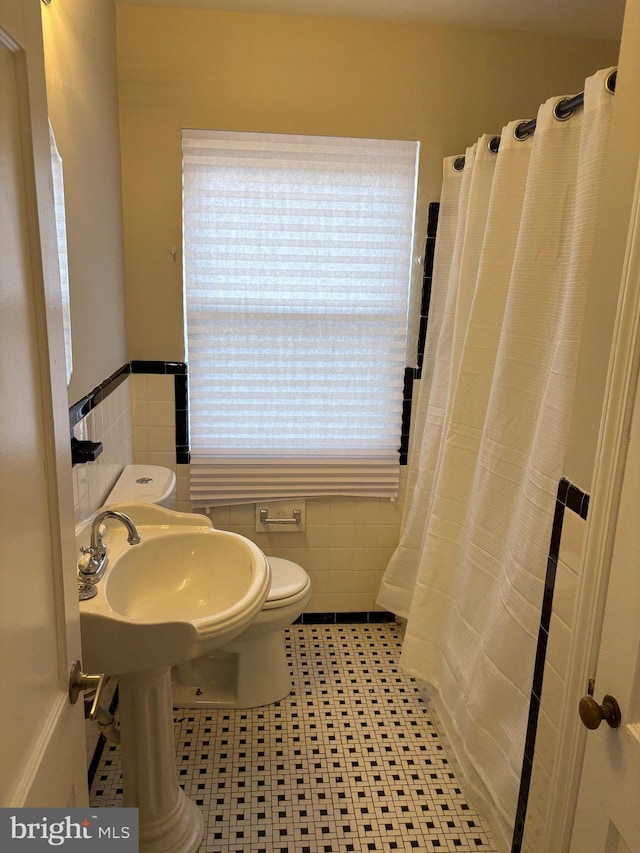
(559, 105)
(521, 131)
(458, 164)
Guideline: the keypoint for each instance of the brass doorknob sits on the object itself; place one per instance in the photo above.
(593, 714)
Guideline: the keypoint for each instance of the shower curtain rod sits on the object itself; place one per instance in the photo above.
(563, 110)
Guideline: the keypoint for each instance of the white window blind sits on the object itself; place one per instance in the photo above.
(297, 260)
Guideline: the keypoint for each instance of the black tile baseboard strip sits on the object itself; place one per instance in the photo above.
(572, 498)
(346, 618)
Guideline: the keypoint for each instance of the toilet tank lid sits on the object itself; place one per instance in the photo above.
(143, 483)
(287, 578)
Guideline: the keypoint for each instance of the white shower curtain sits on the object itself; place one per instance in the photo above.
(490, 433)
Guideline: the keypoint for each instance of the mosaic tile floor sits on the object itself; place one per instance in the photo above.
(348, 762)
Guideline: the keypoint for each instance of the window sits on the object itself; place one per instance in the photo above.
(297, 267)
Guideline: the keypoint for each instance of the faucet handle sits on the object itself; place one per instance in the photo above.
(96, 552)
(93, 561)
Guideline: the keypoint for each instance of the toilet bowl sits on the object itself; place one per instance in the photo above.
(251, 670)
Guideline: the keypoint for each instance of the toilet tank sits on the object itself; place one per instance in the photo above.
(145, 484)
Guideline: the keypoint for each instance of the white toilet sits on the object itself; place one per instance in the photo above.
(252, 669)
(148, 484)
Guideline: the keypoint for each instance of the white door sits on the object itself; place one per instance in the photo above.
(608, 812)
(41, 734)
(607, 817)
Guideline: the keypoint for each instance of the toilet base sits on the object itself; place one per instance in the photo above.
(245, 673)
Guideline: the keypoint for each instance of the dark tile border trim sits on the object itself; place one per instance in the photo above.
(82, 408)
(346, 618)
(159, 367)
(177, 369)
(569, 497)
(412, 373)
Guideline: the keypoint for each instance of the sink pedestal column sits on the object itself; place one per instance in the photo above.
(169, 821)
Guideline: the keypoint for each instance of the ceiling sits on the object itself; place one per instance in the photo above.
(590, 18)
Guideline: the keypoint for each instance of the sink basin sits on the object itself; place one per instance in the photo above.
(185, 589)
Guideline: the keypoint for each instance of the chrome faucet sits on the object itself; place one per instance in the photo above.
(94, 563)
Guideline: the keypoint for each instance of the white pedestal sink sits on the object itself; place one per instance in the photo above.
(185, 589)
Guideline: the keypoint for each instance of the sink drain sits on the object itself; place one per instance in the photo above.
(86, 590)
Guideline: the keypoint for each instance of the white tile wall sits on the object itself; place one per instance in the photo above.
(344, 549)
(534, 830)
(154, 423)
(572, 541)
(111, 423)
(538, 794)
(559, 645)
(564, 593)
(553, 693)
(545, 755)
(543, 767)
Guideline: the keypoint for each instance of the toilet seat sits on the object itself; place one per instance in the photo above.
(289, 583)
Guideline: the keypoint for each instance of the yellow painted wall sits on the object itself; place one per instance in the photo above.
(80, 65)
(196, 68)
